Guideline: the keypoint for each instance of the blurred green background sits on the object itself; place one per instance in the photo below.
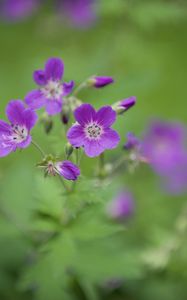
(143, 45)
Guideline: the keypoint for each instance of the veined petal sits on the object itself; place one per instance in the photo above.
(5, 128)
(4, 151)
(76, 136)
(106, 116)
(109, 139)
(30, 118)
(15, 112)
(93, 148)
(35, 99)
(85, 114)
(53, 107)
(54, 69)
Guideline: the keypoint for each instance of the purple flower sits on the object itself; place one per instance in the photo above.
(79, 12)
(164, 146)
(52, 90)
(14, 10)
(65, 168)
(93, 130)
(132, 142)
(121, 207)
(134, 147)
(100, 81)
(17, 133)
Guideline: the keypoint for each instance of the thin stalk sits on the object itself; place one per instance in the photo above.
(38, 148)
(119, 162)
(67, 189)
(80, 87)
(101, 164)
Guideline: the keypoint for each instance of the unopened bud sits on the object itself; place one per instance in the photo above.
(100, 81)
(47, 122)
(68, 150)
(122, 106)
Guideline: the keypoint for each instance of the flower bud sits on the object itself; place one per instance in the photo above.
(121, 207)
(68, 150)
(100, 81)
(122, 106)
(47, 122)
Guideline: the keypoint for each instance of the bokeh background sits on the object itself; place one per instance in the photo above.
(143, 45)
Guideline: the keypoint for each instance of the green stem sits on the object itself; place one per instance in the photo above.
(64, 185)
(38, 148)
(101, 164)
(80, 87)
(119, 163)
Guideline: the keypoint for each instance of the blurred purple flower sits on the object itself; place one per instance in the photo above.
(164, 147)
(100, 81)
(132, 142)
(134, 146)
(80, 13)
(15, 10)
(121, 207)
(93, 131)
(17, 133)
(52, 90)
(65, 168)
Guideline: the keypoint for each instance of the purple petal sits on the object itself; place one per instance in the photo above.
(110, 139)
(54, 69)
(15, 112)
(39, 77)
(5, 128)
(4, 151)
(76, 136)
(35, 99)
(85, 114)
(68, 87)
(30, 118)
(93, 148)
(106, 116)
(101, 81)
(53, 107)
(69, 170)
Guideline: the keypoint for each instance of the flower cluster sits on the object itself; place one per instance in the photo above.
(91, 130)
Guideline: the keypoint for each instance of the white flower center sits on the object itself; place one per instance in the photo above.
(19, 133)
(93, 131)
(52, 90)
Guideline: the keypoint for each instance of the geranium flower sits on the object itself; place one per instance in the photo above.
(93, 130)
(79, 13)
(121, 207)
(52, 90)
(164, 146)
(16, 10)
(17, 133)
